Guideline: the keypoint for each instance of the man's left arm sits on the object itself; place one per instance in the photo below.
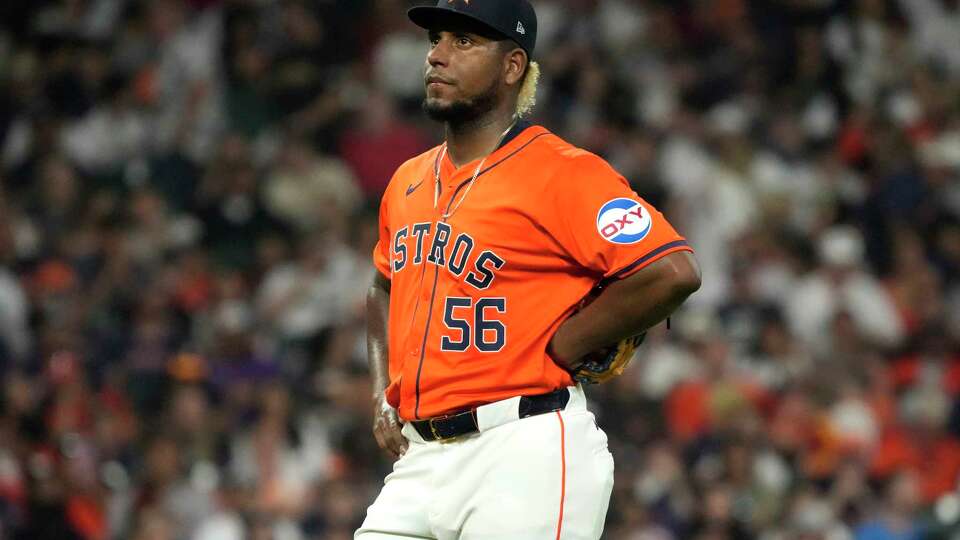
(626, 307)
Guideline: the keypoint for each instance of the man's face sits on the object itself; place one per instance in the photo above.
(464, 75)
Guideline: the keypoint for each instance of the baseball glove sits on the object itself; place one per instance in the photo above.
(609, 362)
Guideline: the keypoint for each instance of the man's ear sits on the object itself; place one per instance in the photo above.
(515, 64)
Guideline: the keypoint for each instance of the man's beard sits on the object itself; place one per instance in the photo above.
(463, 111)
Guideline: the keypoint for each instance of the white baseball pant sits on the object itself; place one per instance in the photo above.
(544, 477)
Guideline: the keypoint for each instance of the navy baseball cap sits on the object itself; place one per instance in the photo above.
(514, 19)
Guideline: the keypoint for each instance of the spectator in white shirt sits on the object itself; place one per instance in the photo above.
(841, 285)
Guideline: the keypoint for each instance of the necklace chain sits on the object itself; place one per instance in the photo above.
(476, 173)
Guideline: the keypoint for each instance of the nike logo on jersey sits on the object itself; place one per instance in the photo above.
(411, 188)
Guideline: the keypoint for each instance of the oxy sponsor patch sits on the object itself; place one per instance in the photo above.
(623, 221)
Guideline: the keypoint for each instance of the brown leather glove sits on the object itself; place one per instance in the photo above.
(607, 363)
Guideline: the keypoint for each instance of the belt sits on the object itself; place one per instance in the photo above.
(448, 427)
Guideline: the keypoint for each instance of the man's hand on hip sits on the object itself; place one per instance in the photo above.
(386, 428)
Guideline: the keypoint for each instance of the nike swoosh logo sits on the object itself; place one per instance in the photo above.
(411, 188)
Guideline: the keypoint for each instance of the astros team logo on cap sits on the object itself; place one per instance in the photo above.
(623, 221)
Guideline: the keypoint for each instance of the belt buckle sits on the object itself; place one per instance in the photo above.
(436, 434)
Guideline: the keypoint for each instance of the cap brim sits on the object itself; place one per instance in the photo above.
(433, 18)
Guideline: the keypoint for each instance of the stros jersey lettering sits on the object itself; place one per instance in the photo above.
(476, 297)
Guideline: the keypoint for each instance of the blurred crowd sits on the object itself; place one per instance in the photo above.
(188, 202)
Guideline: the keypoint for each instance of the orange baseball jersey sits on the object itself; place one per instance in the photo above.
(476, 296)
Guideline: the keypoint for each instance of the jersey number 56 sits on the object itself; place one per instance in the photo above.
(486, 335)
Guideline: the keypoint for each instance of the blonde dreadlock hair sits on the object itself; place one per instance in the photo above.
(528, 91)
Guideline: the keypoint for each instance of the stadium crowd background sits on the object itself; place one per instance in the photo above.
(188, 205)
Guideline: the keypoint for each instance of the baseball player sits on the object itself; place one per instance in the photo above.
(513, 266)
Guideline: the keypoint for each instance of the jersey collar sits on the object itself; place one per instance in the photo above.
(516, 130)
(521, 133)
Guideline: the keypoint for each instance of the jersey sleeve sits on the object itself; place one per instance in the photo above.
(605, 226)
(381, 251)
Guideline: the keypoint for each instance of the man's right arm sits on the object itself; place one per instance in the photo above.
(386, 425)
